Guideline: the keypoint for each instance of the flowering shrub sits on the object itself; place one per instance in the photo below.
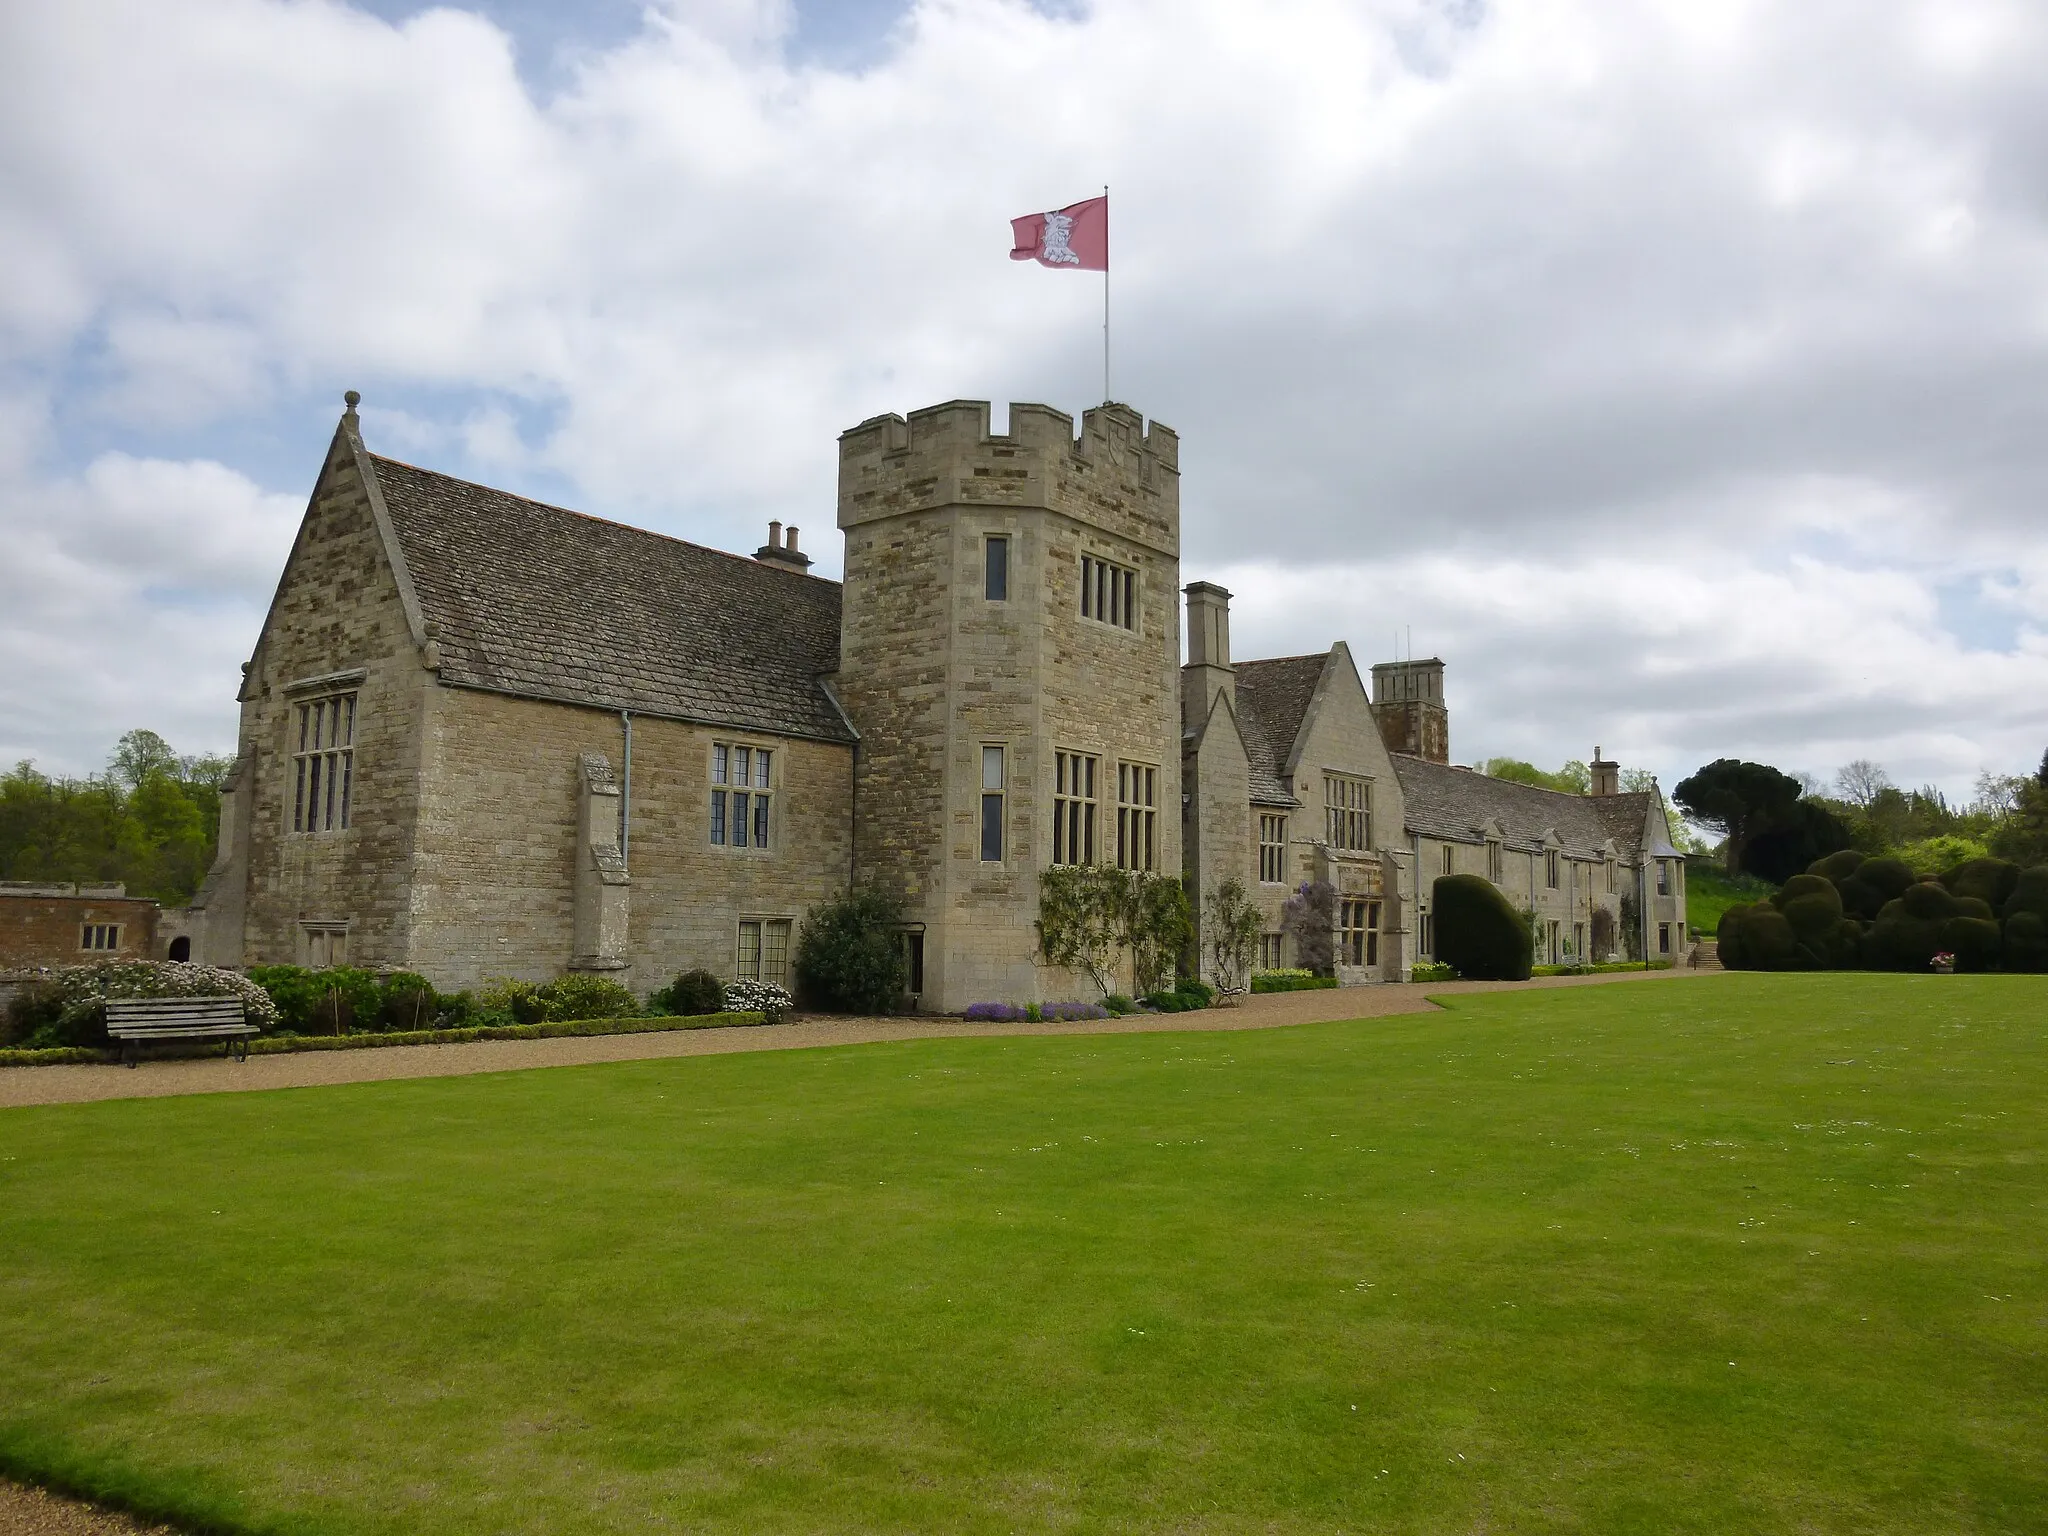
(1061, 1012)
(757, 997)
(1433, 970)
(993, 1013)
(79, 993)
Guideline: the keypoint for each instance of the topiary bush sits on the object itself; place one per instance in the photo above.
(849, 954)
(2026, 942)
(1908, 930)
(1812, 907)
(1768, 941)
(1875, 882)
(1974, 941)
(2029, 894)
(1728, 938)
(1837, 867)
(1478, 932)
(1991, 881)
(691, 995)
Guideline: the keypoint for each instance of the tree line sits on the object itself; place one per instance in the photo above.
(149, 821)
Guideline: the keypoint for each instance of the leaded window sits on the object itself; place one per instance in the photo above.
(1073, 808)
(1272, 849)
(742, 794)
(1109, 593)
(323, 763)
(1358, 932)
(763, 950)
(1137, 815)
(1347, 803)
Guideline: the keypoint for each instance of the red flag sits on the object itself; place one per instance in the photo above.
(1076, 238)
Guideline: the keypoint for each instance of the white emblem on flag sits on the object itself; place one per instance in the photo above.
(1054, 246)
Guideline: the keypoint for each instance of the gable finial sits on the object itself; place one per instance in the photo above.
(352, 399)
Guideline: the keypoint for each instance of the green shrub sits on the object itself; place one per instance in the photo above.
(849, 955)
(506, 998)
(1291, 981)
(2029, 893)
(1837, 867)
(1432, 970)
(34, 1010)
(1119, 1005)
(1875, 882)
(691, 994)
(1988, 880)
(1768, 940)
(1907, 933)
(579, 995)
(407, 1001)
(325, 1002)
(1929, 901)
(1728, 938)
(1478, 932)
(1974, 941)
(2026, 942)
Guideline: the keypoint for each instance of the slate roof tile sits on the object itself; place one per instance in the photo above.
(536, 600)
(1272, 700)
(1447, 802)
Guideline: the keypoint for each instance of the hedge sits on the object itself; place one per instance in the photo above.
(1478, 932)
(1285, 983)
(283, 1045)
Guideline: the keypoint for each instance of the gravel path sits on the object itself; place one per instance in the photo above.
(306, 1069)
(32, 1512)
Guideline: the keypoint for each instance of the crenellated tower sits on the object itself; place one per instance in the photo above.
(1010, 651)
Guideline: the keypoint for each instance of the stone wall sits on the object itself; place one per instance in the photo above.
(932, 671)
(337, 624)
(494, 881)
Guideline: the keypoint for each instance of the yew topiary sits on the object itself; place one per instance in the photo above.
(1478, 932)
(1974, 941)
(1989, 880)
(1768, 942)
(1837, 867)
(2026, 942)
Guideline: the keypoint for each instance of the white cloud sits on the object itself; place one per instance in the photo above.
(1663, 363)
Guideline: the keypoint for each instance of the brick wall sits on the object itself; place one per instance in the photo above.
(38, 930)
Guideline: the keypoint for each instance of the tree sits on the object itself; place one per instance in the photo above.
(138, 756)
(1233, 924)
(1638, 781)
(2023, 836)
(1738, 799)
(1858, 782)
(1806, 832)
(1574, 778)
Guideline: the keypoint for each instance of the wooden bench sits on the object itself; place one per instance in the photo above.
(133, 1022)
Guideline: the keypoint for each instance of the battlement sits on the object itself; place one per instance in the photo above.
(1117, 467)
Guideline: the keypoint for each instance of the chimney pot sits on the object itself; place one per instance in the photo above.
(775, 533)
(791, 545)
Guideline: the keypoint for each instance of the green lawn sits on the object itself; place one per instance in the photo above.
(1744, 1253)
(1709, 892)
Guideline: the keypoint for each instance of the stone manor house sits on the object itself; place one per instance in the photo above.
(481, 736)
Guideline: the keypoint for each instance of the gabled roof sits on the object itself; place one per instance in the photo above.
(1272, 701)
(1456, 803)
(530, 599)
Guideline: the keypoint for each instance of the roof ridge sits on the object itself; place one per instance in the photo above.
(605, 522)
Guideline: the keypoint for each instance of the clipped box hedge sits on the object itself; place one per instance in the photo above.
(285, 1045)
(1282, 981)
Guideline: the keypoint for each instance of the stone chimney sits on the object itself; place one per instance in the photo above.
(1208, 671)
(1408, 703)
(1606, 775)
(782, 551)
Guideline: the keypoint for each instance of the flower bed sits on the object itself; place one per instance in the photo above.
(1033, 1013)
(279, 1045)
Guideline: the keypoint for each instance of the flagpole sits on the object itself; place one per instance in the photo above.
(1105, 293)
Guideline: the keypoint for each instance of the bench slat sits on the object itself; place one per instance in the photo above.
(179, 1032)
(171, 1006)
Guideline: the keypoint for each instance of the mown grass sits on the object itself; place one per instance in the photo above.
(1710, 891)
(1746, 1252)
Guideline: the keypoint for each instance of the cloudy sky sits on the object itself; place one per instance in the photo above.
(1673, 370)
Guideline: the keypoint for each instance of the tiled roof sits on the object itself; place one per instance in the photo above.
(1272, 699)
(1448, 802)
(534, 600)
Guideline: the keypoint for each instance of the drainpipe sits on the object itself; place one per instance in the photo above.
(626, 794)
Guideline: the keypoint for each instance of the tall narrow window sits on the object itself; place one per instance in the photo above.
(1137, 815)
(1550, 867)
(995, 568)
(323, 771)
(742, 794)
(1271, 947)
(1663, 877)
(1493, 862)
(994, 776)
(1109, 593)
(1348, 804)
(1450, 858)
(1073, 808)
(1358, 932)
(1272, 849)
